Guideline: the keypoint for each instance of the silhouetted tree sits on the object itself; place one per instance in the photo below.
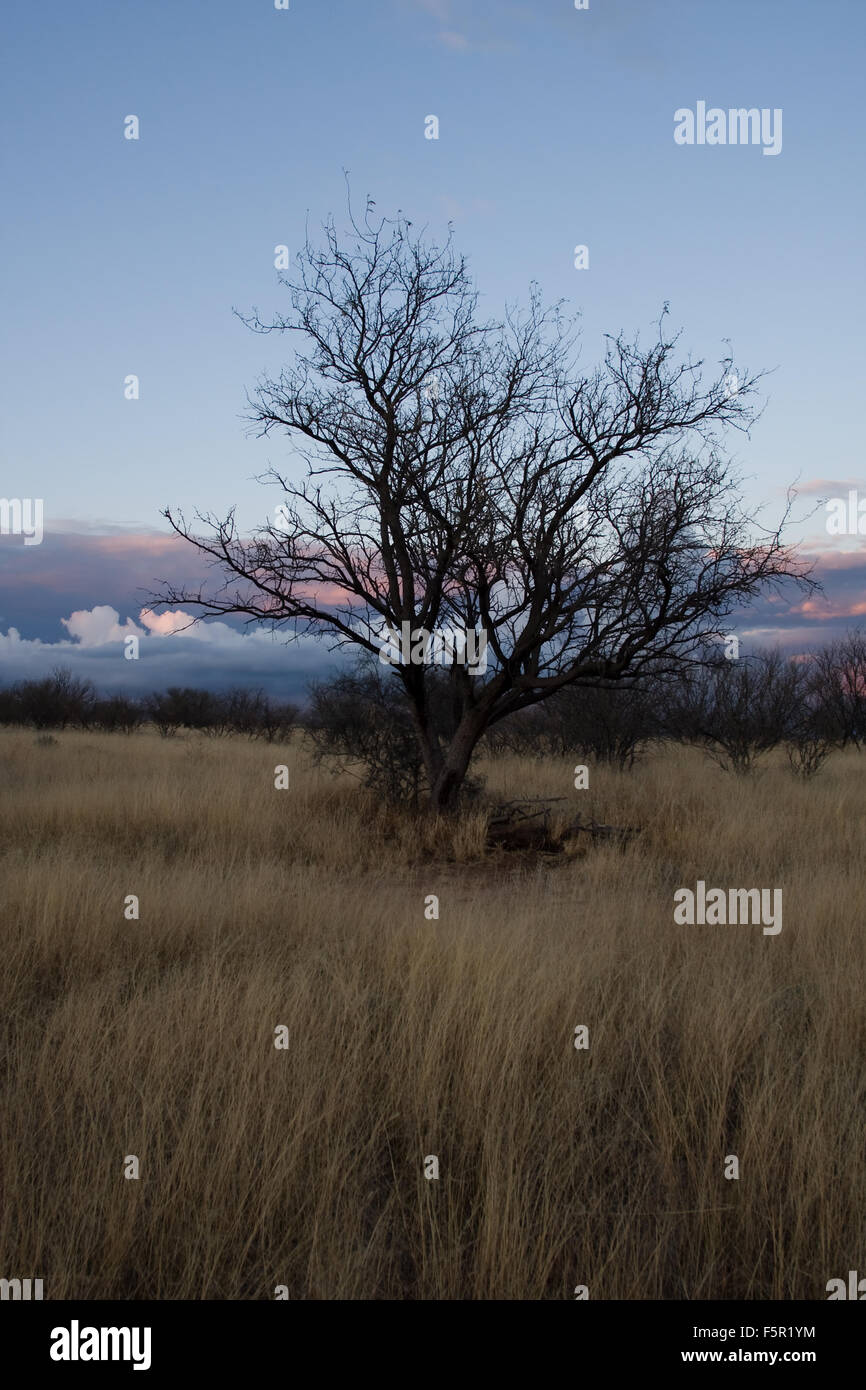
(738, 710)
(466, 475)
(116, 713)
(182, 707)
(57, 701)
(604, 723)
(840, 688)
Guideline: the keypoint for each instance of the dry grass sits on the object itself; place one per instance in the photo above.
(411, 1037)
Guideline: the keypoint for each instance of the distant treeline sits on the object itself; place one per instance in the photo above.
(64, 701)
(737, 710)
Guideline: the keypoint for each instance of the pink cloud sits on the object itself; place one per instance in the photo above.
(838, 559)
(826, 487)
(164, 624)
(828, 608)
(146, 546)
(327, 595)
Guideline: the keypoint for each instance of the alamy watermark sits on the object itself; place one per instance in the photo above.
(76, 1343)
(846, 516)
(22, 516)
(715, 907)
(21, 1290)
(736, 126)
(445, 646)
(856, 1288)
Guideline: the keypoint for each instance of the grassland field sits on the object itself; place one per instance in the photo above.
(410, 1037)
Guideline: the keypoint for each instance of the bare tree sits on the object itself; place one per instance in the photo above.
(181, 707)
(738, 711)
(116, 713)
(54, 702)
(840, 688)
(464, 475)
(606, 723)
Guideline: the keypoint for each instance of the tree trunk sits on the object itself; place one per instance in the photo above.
(446, 786)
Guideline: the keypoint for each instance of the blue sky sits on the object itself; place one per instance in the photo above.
(555, 129)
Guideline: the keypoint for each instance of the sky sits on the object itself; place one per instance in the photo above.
(555, 129)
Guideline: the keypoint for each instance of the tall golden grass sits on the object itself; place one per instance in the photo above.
(411, 1037)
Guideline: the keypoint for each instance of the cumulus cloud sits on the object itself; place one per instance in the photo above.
(98, 626)
(74, 571)
(209, 655)
(164, 624)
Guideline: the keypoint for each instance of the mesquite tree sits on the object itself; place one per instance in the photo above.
(464, 475)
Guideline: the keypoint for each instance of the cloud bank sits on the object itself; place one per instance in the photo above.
(210, 655)
(95, 576)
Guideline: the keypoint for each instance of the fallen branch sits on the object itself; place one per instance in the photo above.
(622, 833)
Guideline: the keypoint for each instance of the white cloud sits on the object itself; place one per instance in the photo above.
(211, 655)
(96, 626)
